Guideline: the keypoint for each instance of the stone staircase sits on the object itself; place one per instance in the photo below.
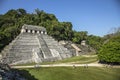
(54, 45)
(45, 50)
(20, 50)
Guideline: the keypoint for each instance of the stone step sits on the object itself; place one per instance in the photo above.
(29, 44)
(44, 47)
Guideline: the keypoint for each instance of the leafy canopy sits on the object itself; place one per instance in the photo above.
(110, 52)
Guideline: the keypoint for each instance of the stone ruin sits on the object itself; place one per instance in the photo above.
(34, 45)
(78, 49)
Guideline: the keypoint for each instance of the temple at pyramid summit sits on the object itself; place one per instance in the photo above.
(34, 45)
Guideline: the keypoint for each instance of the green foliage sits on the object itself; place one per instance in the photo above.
(79, 36)
(61, 31)
(95, 41)
(110, 52)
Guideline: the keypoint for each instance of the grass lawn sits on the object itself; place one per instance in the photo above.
(76, 59)
(70, 73)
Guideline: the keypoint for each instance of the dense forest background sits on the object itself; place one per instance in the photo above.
(12, 21)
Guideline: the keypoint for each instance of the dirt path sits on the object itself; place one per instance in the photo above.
(70, 64)
(66, 65)
(58, 65)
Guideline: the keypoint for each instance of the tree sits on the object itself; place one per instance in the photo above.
(21, 11)
(110, 52)
(79, 36)
(95, 41)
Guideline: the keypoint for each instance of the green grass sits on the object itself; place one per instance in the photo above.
(70, 73)
(76, 59)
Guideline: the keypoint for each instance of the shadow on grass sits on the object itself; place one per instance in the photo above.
(26, 75)
(110, 63)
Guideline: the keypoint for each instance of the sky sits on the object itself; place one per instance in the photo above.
(97, 17)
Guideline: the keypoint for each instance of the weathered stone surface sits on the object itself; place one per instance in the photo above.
(81, 50)
(33, 46)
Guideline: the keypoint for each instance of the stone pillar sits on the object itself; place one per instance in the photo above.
(77, 53)
(22, 30)
(33, 31)
(28, 31)
(41, 32)
(45, 32)
(38, 32)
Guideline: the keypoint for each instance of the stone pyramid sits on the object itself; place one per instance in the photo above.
(34, 45)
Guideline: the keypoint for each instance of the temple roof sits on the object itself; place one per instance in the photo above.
(32, 27)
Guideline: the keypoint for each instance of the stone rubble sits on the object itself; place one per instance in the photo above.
(6, 73)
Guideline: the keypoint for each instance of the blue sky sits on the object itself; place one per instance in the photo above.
(95, 16)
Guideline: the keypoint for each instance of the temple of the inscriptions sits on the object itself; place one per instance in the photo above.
(34, 45)
(33, 29)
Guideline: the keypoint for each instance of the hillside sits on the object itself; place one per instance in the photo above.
(12, 21)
